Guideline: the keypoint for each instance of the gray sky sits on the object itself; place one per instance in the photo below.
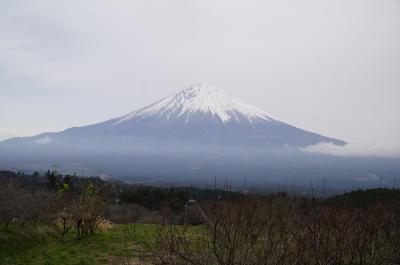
(332, 67)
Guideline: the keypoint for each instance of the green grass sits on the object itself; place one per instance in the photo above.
(40, 245)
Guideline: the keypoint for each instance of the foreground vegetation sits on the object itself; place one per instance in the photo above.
(54, 219)
(281, 230)
(41, 245)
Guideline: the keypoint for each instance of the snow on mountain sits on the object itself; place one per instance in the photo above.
(201, 98)
(201, 116)
(198, 132)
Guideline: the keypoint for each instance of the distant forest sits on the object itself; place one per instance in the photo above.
(176, 197)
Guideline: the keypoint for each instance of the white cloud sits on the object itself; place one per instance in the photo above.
(371, 177)
(44, 140)
(355, 149)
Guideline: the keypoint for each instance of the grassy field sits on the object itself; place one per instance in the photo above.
(40, 245)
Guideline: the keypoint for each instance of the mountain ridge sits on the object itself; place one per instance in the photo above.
(202, 113)
(189, 136)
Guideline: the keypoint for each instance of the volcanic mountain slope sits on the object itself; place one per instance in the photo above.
(200, 116)
(198, 133)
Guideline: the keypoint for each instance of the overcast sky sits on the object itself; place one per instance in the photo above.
(332, 67)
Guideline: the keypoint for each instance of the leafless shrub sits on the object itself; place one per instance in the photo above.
(87, 212)
(282, 231)
(125, 213)
(22, 206)
(8, 201)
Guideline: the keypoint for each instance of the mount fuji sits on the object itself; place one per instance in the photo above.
(202, 114)
(195, 134)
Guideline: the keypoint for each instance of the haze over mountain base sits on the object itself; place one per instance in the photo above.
(191, 137)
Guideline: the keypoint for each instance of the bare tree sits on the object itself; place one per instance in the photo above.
(10, 191)
(282, 231)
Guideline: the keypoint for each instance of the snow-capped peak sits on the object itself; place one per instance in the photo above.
(200, 98)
